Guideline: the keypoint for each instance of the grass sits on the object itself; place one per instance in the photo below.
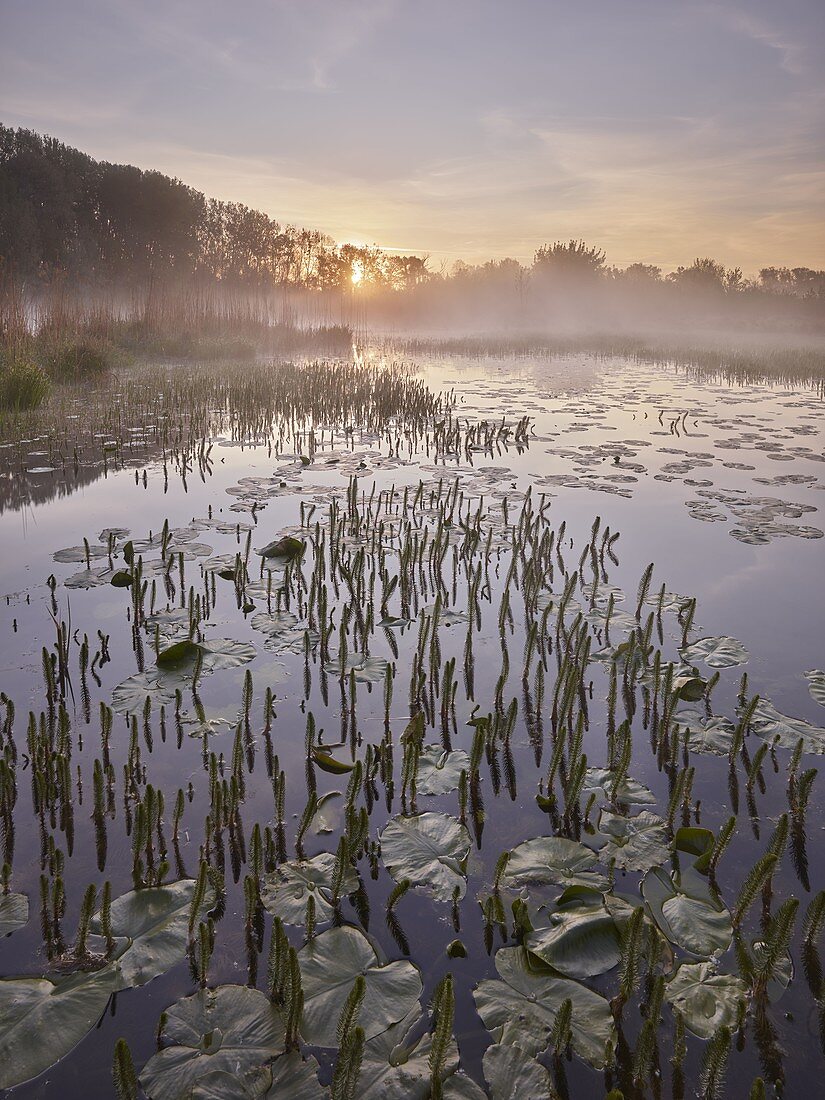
(780, 359)
(23, 384)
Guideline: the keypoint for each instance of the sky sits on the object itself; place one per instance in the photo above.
(660, 130)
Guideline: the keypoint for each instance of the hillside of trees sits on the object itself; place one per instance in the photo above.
(69, 220)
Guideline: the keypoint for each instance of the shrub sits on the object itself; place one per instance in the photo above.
(79, 359)
(23, 384)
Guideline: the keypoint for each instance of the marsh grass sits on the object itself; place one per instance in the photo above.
(772, 360)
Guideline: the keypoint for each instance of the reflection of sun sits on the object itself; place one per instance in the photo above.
(357, 272)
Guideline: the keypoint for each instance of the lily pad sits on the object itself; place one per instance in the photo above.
(816, 685)
(367, 670)
(153, 924)
(232, 1029)
(184, 652)
(583, 937)
(717, 652)
(521, 1007)
(630, 791)
(706, 999)
(41, 1021)
(430, 850)
(511, 1072)
(777, 728)
(286, 890)
(294, 1078)
(14, 912)
(439, 772)
(396, 1065)
(330, 963)
(287, 547)
(553, 859)
(686, 912)
(712, 735)
(636, 843)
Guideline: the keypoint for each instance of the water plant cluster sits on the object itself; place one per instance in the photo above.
(403, 796)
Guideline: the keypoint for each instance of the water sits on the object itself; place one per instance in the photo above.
(719, 486)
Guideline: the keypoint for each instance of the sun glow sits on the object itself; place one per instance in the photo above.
(357, 272)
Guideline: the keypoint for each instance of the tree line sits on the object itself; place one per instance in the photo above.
(65, 214)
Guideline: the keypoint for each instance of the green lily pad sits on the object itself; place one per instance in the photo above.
(180, 653)
(636, 843)
(330, 963)
(287, 547)
(232, 1029)
(286, 890)
(717, 652)
(686, 913)
(439, 772)
(430, 850)
(521, 1007)
(553, 859)
(511, 1072)
(329, 764)
(769, 724)
(41, 1021)
(14, 912)
(153, 924)
(706, 999)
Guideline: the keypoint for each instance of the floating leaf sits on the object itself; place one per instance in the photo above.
(439, 772)
(689, 687)
(14, 912)
(180, 653)
(510, 1072)
(223, 653)
(768, 723)
(286, 547)
(553, 859)
(712, 735)
(686, 913)
(329, 764)
(430, 850)
(41, 1021)
(717, 652)
(816, 685)
(461, 1087)
(326, 816)
(395, 1065)
(583, 938)
(286, 890)
(707, 1000)
(367, 670)
(153, 924)
(521, 1007)
(330, 963)
(232, 1029)
(295, 1078)
(629, 791)
(636, 843)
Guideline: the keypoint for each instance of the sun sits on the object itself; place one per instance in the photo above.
(357, 272)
